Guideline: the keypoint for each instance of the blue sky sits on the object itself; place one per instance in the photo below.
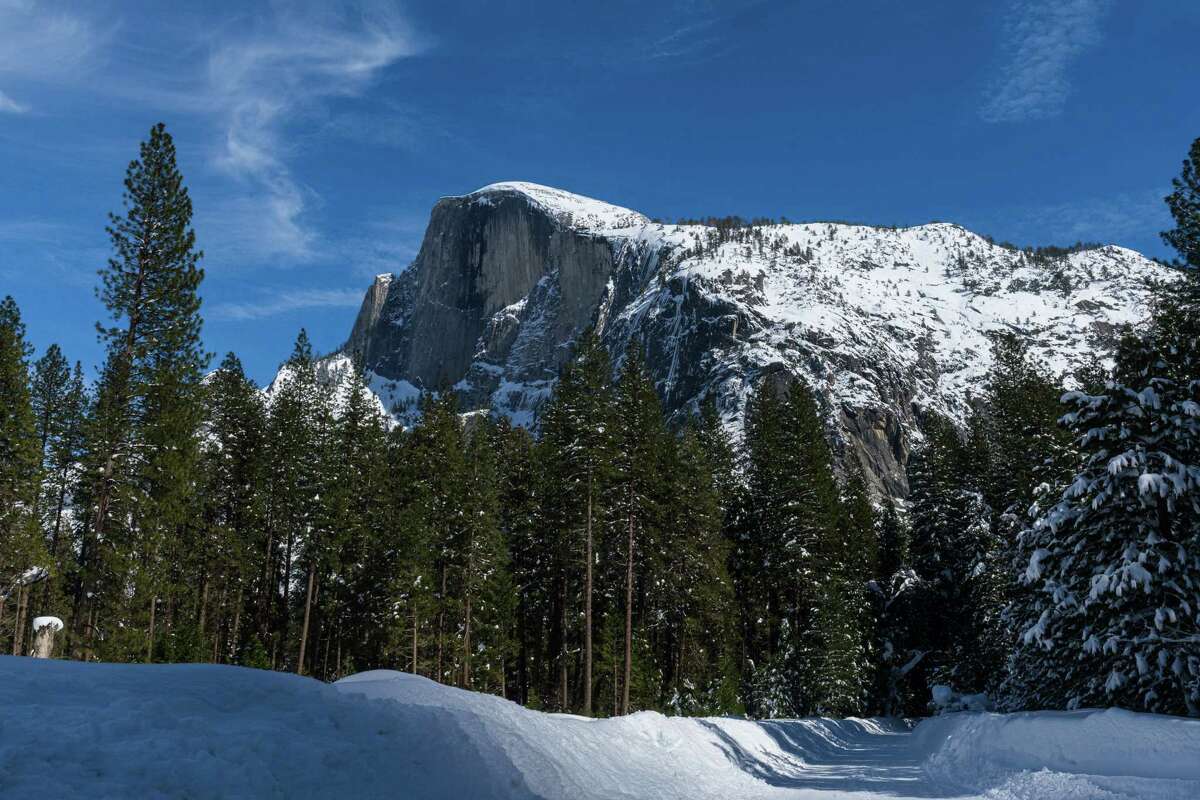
(315, 141)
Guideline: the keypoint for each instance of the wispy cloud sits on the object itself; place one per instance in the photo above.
(41, 44)
(1041, 39)
(10, 106)
(697, 30)
(291, 300)
(260, 82)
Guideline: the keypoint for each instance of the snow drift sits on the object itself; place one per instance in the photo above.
(106, 730)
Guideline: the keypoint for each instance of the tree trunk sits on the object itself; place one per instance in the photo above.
(287, 590)
(325, 658)
(628, 617)
(203, 604)
(264, 601)
(308, 597)
(616, 690)
(562, 656)
(150, 637)
(232, 644)
(467, 646)
(441, 624)
(54, 534)
(19, 622)
(415, 670)
(587, 614)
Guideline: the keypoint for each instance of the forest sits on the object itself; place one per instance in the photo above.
(1047, 556)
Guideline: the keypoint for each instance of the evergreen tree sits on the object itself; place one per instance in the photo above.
(232, 555)
(59, 401)
(1114, 565)
(22, 555)
(354, 615)
(643, 451)
(519, 521)
(576, 454)
(798, 602)
(484, 565)
(698, 644)
(1184, 204)
(142, 442)
(296, 460)
(954, 614)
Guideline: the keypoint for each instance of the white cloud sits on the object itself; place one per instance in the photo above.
(10, 106)
(43, 44)
(291, 300)
(260, 82)
(1041, 40)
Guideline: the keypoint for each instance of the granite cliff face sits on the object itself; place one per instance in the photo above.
(886, 325)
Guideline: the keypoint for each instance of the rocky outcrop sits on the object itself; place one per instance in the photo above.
(886, 325)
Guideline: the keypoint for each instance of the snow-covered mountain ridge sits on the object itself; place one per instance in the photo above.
(885, 324)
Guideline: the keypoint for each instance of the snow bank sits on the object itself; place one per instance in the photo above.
(54, 623)
(103, 730)
(1129, 754)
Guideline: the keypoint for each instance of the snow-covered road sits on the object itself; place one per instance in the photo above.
(197, 731)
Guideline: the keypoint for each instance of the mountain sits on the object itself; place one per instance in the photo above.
(885, 324)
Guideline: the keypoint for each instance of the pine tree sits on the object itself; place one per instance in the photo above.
(233, 553)
(1184, 204)
(519, 519)
(59, 402)
(576, 451)
(295, 458)
(791, 563)
(22, 555)
(697, 645)
(637, 491)
(954, 625)
(356, 615)
(142, 443)
(1114, 565)
(485, 571)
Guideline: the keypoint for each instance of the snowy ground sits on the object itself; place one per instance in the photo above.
(100, 730)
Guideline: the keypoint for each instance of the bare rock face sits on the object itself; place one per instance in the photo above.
(885, 325)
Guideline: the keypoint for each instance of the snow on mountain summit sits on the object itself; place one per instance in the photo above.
(886, 325)
(574, 210)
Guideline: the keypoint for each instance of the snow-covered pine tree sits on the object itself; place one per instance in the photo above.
(1114, 565)
(953, 628)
